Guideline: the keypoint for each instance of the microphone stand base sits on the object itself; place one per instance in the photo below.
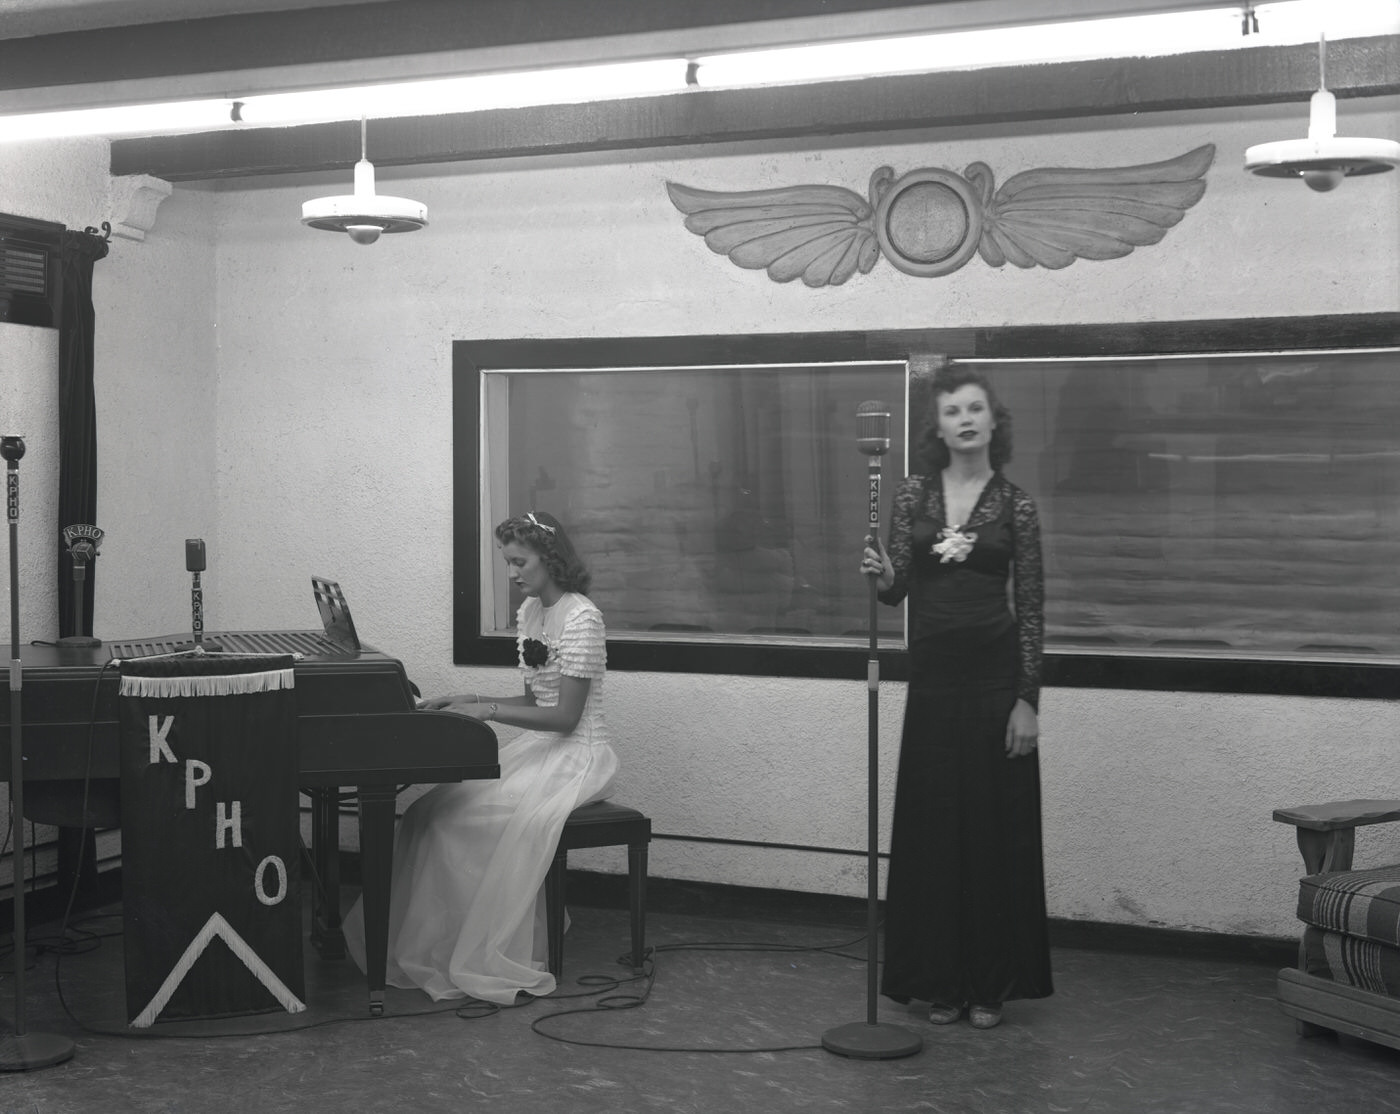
(862, 1040)
(28, 1051)
(85, 641)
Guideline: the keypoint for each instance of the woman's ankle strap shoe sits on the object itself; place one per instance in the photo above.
(985, 1017)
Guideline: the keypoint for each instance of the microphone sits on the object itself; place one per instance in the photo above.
(82, 542)
(194, 565)
(873, 441)
(873, 428)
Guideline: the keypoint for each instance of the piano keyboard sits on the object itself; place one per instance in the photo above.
(306, 643)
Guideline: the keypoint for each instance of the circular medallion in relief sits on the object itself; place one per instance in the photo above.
(929, 222)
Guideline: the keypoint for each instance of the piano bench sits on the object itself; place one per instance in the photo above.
(600, 824)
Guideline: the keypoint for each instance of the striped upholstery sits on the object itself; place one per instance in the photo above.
(1361, 904)
(1363, 964)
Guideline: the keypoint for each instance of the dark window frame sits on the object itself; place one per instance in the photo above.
(1069, 670)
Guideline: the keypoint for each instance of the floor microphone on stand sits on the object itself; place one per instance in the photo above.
(872, 1039)
(20, 1050)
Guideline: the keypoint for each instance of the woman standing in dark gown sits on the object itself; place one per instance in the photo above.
(965, 925)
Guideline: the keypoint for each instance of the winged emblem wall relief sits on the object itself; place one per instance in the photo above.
(931, 221)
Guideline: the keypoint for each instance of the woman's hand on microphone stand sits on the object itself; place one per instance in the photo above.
(876, 562)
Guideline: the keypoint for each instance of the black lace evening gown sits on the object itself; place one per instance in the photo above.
(965, 901)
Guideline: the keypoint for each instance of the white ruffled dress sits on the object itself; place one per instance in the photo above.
(466, 911)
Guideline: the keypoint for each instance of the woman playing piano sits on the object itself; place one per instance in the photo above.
(466, 912)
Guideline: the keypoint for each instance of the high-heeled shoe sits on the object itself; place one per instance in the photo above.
(944, 1015)
(984, 1017)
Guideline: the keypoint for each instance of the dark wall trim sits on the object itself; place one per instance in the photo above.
(348, 32)
(1362, 681)
(681, 897)
(1065, 670)
(848, 915)
(978, 98)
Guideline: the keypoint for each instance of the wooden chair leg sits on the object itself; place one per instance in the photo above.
(637, 889)
(554, 911)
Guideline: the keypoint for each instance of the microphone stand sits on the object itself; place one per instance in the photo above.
(872, 1039)
(20, 1051)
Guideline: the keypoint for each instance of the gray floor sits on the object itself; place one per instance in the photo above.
(723, 1028)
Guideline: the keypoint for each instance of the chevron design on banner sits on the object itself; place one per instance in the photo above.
(217, 926)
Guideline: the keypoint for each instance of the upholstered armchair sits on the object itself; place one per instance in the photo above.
(1348, 974)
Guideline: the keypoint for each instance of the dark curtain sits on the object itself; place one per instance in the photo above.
(77, 417)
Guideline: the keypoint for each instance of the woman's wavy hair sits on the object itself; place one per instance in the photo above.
(544, 533)
(932, 453)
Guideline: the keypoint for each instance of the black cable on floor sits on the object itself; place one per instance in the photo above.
(630, 1001)
(475, 1009)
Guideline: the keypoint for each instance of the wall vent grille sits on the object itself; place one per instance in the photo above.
(29, 271)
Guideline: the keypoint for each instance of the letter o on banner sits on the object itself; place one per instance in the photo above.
(281, 868)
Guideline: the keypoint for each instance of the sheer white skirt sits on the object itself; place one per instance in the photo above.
(466, 911)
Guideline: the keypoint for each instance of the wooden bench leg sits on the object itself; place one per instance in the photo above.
(554, 911)
(637, 889)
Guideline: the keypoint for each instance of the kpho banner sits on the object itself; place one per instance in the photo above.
(211, 836)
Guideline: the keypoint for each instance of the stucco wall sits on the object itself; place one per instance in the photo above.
(330, 452)
(335, 361)
(154, 377)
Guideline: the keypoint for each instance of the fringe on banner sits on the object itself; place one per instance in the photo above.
(239, 684)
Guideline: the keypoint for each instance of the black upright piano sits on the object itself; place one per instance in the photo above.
(357, 725)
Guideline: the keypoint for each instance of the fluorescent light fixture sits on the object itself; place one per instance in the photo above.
(136, 119)
(565, 85)
(1290, 21)
(1285, 22)
(561, 85)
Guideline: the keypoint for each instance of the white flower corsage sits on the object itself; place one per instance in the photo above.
(955, 545)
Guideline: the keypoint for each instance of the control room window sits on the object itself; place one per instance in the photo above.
(1227, 504)
(1215, 517)
(710, 503)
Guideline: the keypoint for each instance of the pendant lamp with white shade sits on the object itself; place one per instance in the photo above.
(1324, 159)
(364, 215)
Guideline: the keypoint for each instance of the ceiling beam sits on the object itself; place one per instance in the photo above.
(379, 29)
(1213, 79)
